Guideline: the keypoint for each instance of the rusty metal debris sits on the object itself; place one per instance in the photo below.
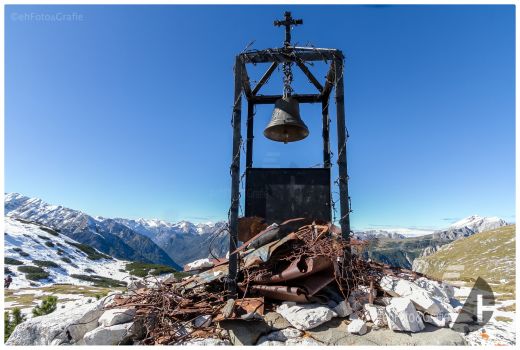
(299, 261)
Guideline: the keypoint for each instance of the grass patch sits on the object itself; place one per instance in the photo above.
(508, 308)
(33, 273)
(45, 263)
(140, 269)
(12, 261)
(99, 281)
(504, 319)
(92, 253)
(49, 244)
(50, 231)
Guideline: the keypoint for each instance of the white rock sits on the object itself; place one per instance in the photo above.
(116, 316)
(205, 342)
(357, 327)
(441, 320)
(376, 314)
(198, 264)
(303, 341)
(422, 299)
(342, 309)
(264, 342)
(63, 326)
(112, 335)
(305, 316)
(202, 321)
(401, 315)
(439, 290)
(279, 336)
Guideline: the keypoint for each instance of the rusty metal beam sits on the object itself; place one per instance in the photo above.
(265, 78)
(290, 55)
(235, 175)
(329, 82)
(245, 80)
(309, 75)
(270, 99)
(342, 151)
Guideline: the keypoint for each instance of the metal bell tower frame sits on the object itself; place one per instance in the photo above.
(334, 80)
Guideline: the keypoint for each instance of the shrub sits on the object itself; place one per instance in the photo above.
(92, 253)
(67, 260)
(11, 320)
(47, 306)
(44, 237)
(21, 252)
(30, 269)
(100, 281)
(60, 251)
(143, 269)
(11, 261)
(33, 273)
(89, 270)
(49, 244)
(7, 271)
(45, 263)
(49, 230)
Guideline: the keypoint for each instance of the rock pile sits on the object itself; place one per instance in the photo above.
(296, 288)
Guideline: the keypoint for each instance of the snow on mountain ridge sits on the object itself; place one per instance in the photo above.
(477, 223)
(29, 243)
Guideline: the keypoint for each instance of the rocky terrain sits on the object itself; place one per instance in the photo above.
(491, 256)
(406, 318)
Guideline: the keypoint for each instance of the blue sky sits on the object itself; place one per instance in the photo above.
(126, 112)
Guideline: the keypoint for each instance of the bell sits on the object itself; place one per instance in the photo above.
(286, 124)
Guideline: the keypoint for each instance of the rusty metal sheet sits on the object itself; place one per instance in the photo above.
(263, 253)
(300, 268)
(205, 277)
(285, 293)
(243, 307)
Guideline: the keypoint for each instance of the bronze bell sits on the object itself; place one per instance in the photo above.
(286, 124)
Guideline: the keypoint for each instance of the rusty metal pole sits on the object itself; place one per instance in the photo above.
(342, 148)
(250, 136)
(235, 175)
(325, 132)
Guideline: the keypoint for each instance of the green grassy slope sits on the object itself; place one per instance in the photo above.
(489, 254)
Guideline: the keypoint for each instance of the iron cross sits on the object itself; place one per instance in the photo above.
(288, 22)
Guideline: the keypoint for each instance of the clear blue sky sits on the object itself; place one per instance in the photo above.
(127, 112)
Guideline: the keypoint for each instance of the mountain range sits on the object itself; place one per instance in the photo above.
(150, 241)
(176, 244)
(403, 251)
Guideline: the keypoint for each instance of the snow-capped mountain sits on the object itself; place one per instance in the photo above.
(374, 234)
(54, 256)
(107, 235)
(469, 226)
(478, 223)
(147, 240)
(184, 241)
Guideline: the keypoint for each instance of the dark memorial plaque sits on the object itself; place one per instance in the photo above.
(279, 194)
